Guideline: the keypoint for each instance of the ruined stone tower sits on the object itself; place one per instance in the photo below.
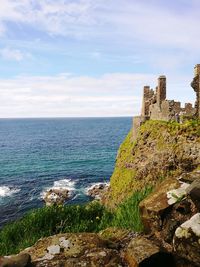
(196, 86)
(161, 91)
(155, 105)
(147, 96)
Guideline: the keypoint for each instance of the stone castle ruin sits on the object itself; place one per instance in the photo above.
(155, 106)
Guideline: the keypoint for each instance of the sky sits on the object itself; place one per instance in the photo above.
(76, 58)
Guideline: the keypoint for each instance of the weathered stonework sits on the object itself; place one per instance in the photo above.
(161, 91)
(196, 86)
(155, 106)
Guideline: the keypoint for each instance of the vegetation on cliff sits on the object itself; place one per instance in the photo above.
(48, 221)
(162, 149)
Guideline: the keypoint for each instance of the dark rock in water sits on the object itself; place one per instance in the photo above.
(56, 196)
(187, 240)
(21, 260)
(97, 191)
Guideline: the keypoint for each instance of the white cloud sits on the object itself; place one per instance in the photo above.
(143, 31)
(115, 94)
(142, 24)
(66, 95)
(13, 54)
(147, 21)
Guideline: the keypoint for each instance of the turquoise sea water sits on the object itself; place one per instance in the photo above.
(36, 154)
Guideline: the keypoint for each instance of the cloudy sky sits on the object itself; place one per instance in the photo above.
(68, 58)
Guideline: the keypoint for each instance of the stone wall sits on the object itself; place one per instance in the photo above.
(136, 125)
(189, 109)
(148, 95)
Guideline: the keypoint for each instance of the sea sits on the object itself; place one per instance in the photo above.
(38, 154)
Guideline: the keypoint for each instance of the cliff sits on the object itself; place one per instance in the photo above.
(161, 149)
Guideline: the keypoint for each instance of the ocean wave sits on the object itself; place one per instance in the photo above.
(6, 191)
(63, 184)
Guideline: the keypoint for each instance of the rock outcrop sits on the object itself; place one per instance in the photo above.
(187, 240)
(161, 150)
(112, 247)
(171, 215)
(56, 196)
(96, 191)
(69, 250)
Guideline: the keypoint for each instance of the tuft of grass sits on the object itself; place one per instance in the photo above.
(127, 214)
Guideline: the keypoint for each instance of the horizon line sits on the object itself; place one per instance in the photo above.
(72, 117)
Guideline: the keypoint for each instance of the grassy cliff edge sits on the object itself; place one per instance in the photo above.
(162, 149)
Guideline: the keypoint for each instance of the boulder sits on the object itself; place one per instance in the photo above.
(153, 207)
(142, 252)
(84, 249)
(20, 260)
(187, 240)
(194, 192)
(178, 214)
(56, 196)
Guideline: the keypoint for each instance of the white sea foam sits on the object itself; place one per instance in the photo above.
(64, 184)
(61, 185)
(6, 191)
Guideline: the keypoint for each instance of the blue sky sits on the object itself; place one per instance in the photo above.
(92, 57)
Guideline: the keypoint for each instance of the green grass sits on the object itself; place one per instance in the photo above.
(47, 221)
(127, 214)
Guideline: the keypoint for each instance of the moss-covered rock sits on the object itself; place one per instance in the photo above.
(81, 249)
(162, 149)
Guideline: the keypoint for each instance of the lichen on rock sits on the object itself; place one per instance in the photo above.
(187, 240)
(192, 225)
